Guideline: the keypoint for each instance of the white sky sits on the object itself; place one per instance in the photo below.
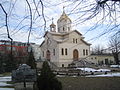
(52, 9)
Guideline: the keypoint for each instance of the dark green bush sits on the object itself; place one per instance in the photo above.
(47, 79)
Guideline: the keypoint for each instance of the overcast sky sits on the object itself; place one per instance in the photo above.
(18, 9)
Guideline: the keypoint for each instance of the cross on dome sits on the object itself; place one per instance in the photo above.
(64, 23)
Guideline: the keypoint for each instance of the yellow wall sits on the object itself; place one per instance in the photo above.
(101, 58)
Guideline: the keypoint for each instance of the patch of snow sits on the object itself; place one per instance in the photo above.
(4, 84)
(106, 75)
(93, 70)
(60, 75)
(73, 76)
(6, 88)
(103, 70)
(115, 66)
(24, 64)
(7, 78)
(87, 69)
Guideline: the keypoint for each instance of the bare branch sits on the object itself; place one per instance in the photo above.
(6, 24)
(30, 10)
(6, 21)
(43, 15)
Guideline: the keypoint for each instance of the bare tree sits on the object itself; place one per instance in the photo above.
(114, 44)
(22, 15)
(6, 25)
(17, 17)
(104, 13)
(34, 19)
(98, 49)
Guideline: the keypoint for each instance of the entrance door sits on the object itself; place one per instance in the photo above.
(75, 55)
(48, 55)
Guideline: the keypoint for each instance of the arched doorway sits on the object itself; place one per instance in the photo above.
(75, 54)
(48, 55)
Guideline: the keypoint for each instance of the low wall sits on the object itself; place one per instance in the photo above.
(20, 86)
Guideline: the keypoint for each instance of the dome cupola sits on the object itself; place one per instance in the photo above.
(52, 27)
(64, 23)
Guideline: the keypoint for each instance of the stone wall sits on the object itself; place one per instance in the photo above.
(20, 86)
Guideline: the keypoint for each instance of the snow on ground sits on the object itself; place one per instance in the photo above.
(106, 75)
(87, 69)
(115, 66)
(7, 78)
(93, 70)
(3, 81)
(6, 88)
(104, 70)
(4, 84)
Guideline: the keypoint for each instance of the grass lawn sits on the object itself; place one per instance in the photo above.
(5, 74)
(90, 83)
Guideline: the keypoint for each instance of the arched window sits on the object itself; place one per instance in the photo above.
(62, 65)
(84, 52)
(66, 51)
(73, 40)
(63, 29)
(76, 40)
(68, 28)
(54, 52)
(62, 51)
(58, 29)
(43, 53)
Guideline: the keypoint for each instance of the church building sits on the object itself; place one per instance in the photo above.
(62, 45)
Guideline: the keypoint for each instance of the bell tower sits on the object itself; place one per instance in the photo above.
(64, 23)
(52, 27)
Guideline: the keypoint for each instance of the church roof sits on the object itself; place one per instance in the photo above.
(63, 34)
(64, 16)
(61, 40)
(56, 33)
(52, 23)
(42, 43)
(85, 42)
(76, 32)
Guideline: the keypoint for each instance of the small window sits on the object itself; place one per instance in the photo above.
(91, 58)
(84, 52)
(68, 28)
(58, 29)
(62, 65)
(66, 51)
(43, 53)
(62, 51)
(73, 40)
(54, 52)
(52, 28)
(76, 40)
(95, 57)
(63, 29)
(68, 65)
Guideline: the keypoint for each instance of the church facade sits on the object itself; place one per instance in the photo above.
(62, 45)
